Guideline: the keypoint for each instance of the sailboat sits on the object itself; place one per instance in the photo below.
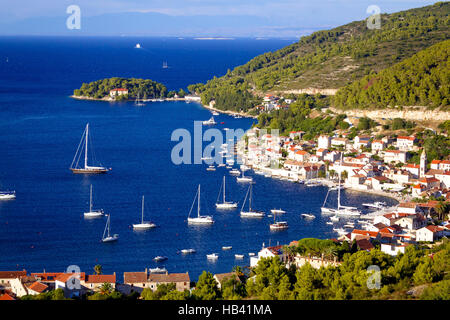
(164, 65)
(86, 168)
(243, 178)
(93, 213)
(210, 121)
(250, 212)
(340, 210)
(144, 225)
(138, 102)
(107, 237)
(225, 204)
(199, 219)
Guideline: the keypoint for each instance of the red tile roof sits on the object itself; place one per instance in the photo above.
(6, 297)
(12, 274)
(38, 287)
(101, 278)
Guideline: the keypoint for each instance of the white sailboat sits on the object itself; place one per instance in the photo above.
(164, 65)
(278, 211)
(199, 219)
(93, 213)
(212, 256)
(107, 237)
(138, 102)
(144, 225)
(250, 212)
(209, 122)
(86, 168)
(244, 178)
(225, 204)
(340, 210)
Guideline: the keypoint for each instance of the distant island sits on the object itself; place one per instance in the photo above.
(122, 89)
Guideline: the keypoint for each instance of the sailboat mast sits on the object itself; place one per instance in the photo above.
(250, 199)
(223, 189)
(86, 146)
(90, 201)
(198, 204)
(142, 219)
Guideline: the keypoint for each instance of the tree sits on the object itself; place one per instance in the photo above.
(106, 288)
(98, 269)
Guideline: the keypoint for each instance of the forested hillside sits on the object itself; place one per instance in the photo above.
(332, 58)
(423, 79)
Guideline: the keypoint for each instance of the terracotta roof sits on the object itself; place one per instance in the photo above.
(6, 297)
(372, 234)
(38, 287)
(171, 277)
(119, 89)
(12, 274)
(134, 277)
(434, 228)
(101, 278)
(406, 138)
(364, 244)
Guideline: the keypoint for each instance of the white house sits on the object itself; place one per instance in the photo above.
(429, 233)
(405, 142)
(324, 142)
(394, 156)
(268, 252)
(118, 92)
(393, 249)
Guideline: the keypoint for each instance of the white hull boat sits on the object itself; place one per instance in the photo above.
(250, 213)
(211, 121)
(239, 256)
(7, 195)
(188, 251)
(212, 256)
(107, 237)
(199, 219)
(278, 211)
(308, 216)
(144, 225)
(224, 204)
(93, 213)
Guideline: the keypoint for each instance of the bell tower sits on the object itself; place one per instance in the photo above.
(423, 163)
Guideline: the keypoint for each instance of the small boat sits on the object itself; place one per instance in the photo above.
(280, 225)
(188, 251)
(244, 167)
(308, 216)
(227, 248)
(250, 212)
(220, 165)
(277, 211)
(75, 168)
(235, 172)
(251, 254)
(348, 226)
(312, 183)
(107, 237)
(160, 258)
(158, 270)
(138, 102)
(164, 65)
(199, 219)
(209, 122)
(138, 46)
(212, 256)
(144, 225)
(334, 218)
(244, 179)
(205, 158)
(238, 117)
(7, 195)
(375, 205)
(239, 256)
(215, 113)
(211, 168)
(224, 204)
(93, 213)
(329, 222)
(229, 167)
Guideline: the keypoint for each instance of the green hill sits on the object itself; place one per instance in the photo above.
(331, 58)
(423, 80)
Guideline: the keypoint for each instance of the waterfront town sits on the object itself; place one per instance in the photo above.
(362, 164)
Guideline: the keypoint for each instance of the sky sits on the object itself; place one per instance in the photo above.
(190, 17)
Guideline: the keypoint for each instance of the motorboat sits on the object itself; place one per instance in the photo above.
(160, 258)
(308, 216)
(211, 121)
(278, 211)
(212, 256)
(7, 195)
(188, 251)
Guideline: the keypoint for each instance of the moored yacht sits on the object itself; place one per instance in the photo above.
(107, 237)
(250, 212)
(199, 219)
(144, 225)
(225, 204)
(209, 122)
(244, 178)
(278, 211)
(86, 168)
(93, 213)
(7, 195)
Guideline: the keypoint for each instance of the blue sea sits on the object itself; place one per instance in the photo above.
(41, 126)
